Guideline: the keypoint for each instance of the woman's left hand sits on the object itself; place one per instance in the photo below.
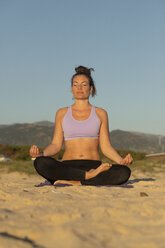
(127, 160)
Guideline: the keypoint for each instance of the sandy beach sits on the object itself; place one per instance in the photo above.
(82, 216)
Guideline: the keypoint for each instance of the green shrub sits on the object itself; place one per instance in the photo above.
(15, 152)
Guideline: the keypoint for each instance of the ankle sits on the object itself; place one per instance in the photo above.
(90, 174)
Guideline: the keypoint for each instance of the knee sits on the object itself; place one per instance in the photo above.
(39, 163)
(126, 173)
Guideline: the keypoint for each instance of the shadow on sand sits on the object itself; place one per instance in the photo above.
(137, 180)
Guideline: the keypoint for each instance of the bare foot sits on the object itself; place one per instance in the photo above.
(67, 182)
(104, 167)
(94, 172)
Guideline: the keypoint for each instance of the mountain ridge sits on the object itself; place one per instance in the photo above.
(41, 133)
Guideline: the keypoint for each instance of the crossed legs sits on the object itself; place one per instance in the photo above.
(81, 172)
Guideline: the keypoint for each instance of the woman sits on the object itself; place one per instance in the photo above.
(84, 128)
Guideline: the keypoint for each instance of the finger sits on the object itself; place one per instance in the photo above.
(130, 159)
(126, 159)
(31, 150)
(35, 149)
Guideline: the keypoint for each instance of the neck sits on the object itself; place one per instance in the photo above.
(81, 104)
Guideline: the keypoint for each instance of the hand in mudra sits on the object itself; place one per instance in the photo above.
(127, 160)
(34, 152)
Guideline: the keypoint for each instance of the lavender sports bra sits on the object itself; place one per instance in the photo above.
(74, 129)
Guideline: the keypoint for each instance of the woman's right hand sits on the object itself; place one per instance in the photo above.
(34, 152)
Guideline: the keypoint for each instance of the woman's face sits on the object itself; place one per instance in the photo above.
(80, 87)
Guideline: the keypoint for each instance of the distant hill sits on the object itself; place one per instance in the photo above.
(2, 126)
(40, 134)
(136, 141)
(44, 123)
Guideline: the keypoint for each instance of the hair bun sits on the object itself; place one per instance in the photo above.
(84, 70)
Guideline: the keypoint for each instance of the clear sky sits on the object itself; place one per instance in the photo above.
(41, 42)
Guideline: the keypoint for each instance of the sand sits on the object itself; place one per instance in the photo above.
(81, 216)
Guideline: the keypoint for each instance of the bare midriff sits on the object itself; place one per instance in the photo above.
(83, 148)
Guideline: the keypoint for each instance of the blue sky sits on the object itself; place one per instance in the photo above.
(123, 40)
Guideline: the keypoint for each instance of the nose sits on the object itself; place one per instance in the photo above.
(79, 86)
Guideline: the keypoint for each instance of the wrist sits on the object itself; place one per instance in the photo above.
(120, 161)
(42, 154)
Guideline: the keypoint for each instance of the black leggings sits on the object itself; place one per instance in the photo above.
(53, 170)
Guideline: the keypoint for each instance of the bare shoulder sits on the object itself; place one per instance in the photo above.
(61, 112)
(101, 113)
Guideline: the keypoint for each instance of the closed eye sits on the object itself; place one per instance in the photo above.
(83, 84)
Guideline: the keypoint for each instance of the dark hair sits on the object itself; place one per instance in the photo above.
(81, 70)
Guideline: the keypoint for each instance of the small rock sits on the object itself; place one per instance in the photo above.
(143, 194)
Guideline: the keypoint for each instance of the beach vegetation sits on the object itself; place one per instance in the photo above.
(21, 161)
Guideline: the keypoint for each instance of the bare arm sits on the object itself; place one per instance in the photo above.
(105, 144)
(57, 140)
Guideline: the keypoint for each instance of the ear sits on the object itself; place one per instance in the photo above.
(91, 89)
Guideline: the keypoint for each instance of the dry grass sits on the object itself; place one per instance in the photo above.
(149, 166)
(20, 166)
